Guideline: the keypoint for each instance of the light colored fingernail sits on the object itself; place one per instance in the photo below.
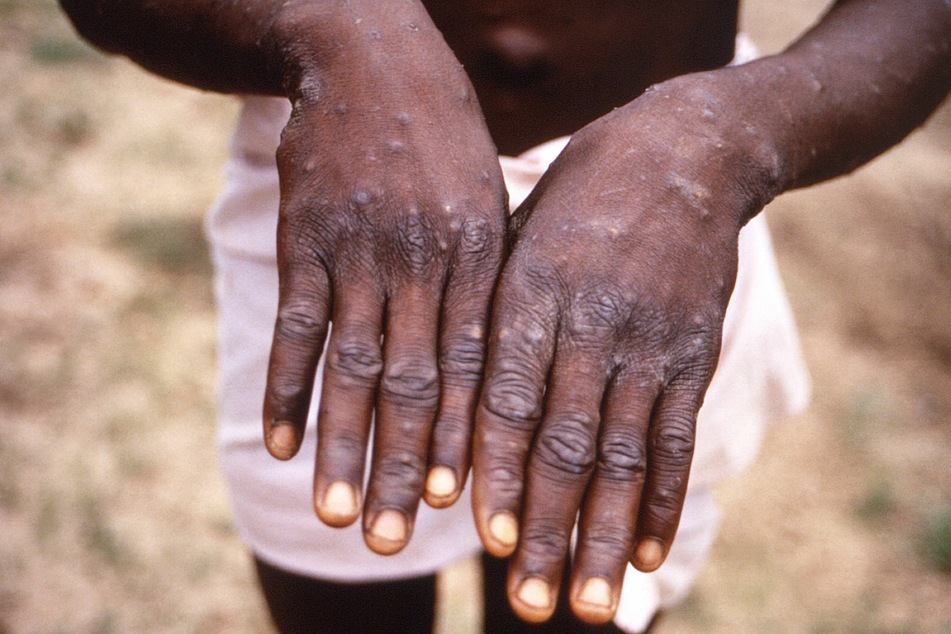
(390, 525)
(649, 554)
(282, 440)
(441, 481)
(504, 528)
(340, 500)
(535, 593)
(596, 591)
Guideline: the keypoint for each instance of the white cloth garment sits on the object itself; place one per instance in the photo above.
(760, 378)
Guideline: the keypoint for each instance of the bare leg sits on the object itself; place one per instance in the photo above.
(302, 605)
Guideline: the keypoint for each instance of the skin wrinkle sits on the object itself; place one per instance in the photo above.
(508, 400)
(568, 445)
(357, 360)
(410, 383)
(621, 457)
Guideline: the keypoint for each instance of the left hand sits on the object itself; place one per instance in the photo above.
(606, 332)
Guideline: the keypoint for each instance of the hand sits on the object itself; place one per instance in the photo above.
(605, 335)
(391, 226)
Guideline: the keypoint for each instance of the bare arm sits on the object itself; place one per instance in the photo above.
(391, 225)
(852, 87)
(227, 46)
(608, 316)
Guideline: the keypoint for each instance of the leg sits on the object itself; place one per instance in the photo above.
(301, 605)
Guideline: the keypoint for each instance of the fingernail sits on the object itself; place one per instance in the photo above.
(282, 440)
(340, 501)
(649, 554)
(389, 526)
(535, 593)
(504, 528)
(441, 482)
(596, 591)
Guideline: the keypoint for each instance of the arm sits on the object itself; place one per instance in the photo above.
(608, 316)
(391, 225)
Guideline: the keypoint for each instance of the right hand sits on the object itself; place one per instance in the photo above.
(391, 226)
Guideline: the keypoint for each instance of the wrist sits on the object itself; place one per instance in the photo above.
(716, 134)
(313, 44)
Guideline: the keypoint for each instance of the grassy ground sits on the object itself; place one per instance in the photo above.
(113, 516)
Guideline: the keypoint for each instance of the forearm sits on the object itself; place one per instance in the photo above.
(856, 84)
(241, 46)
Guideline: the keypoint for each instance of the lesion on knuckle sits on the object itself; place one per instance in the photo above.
(568, 446)
(356, 360)
(622, 458)
(413, 382)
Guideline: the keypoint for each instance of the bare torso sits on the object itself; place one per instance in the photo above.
(544, 68)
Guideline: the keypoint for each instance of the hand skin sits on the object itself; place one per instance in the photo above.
(607, 319)
(391, 226)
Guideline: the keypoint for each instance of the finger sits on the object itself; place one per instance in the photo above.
(559, 468)
(351, 375)
(406, 405)
(299, 333)
(520, 350)
(608, 517)
(461, 360)
(670, 451)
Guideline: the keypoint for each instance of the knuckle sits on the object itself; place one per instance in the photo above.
(544, 540)
(415, 242)
(510, 396)
(342, 446)
(288, 399)
(568, 446)
(698, 350)
(401, 467)
(610, 539)
(480, 239)
(357, 360)
(297, 322)
(674, 442)
(622, 458)
(506, 476)
(463, 356)
(665, 501)
(451, 429)
(411, 382)
(601, 308)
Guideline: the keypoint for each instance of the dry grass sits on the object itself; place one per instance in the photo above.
(112, 513)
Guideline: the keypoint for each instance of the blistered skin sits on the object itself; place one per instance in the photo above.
(606, 316)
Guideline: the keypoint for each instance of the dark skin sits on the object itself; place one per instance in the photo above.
(606, 314)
